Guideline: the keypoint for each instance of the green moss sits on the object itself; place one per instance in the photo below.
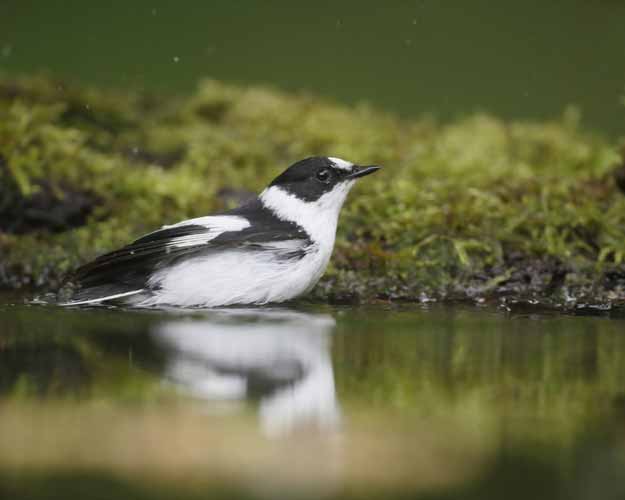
(478, 207)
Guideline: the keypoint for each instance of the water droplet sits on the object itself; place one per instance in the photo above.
(176, 59)
(6, 50)
(153, 12)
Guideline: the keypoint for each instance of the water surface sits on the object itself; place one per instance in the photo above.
(406, 399)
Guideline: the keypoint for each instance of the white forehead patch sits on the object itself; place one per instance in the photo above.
(342, 164)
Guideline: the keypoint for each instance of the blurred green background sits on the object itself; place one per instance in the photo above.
(521, 60)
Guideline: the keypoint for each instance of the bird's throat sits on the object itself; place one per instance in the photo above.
(318, 218)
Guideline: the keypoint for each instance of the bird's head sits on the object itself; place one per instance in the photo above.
(313, 178)
(313, 188)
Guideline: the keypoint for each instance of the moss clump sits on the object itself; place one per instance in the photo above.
(480, 207)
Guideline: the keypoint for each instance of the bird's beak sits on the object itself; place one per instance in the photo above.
(361, 171)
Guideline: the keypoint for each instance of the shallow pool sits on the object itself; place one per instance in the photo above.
(437, 401)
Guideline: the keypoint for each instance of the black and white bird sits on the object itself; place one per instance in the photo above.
(271, 249)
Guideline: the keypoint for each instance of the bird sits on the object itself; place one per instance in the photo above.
(270, 249)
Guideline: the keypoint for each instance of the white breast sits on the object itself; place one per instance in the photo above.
(237, 277)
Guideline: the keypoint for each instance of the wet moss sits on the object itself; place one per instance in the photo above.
(480, 208)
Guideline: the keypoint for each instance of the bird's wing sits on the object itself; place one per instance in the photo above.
(126, 271)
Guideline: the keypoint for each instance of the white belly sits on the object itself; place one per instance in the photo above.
(238, 277)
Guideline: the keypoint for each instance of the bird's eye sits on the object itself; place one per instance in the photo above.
(324, 175)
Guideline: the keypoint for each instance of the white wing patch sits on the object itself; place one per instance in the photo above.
(221, 223)
(191, 240)
(100, 299)
(215, 225)
(341, 164)
(284, 245)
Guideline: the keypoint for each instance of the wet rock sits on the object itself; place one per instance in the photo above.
(50, 208)
(619, 178)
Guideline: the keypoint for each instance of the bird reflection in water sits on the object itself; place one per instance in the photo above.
(278, 357)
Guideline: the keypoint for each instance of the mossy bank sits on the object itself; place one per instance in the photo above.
(480, 208)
